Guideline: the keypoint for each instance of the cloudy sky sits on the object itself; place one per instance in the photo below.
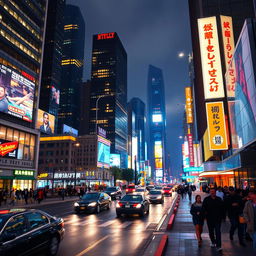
(152, 32)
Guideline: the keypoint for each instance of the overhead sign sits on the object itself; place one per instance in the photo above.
(23, 173)
(189, 101)
(228, 38)
(8, 147)
(210, 58)
(216, 126)
(193, 169)
(191, 150)
(106, 36)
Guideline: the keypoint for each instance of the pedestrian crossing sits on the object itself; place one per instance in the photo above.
(112, 224)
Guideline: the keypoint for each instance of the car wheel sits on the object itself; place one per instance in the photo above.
(118, 215)
(53, 246)
(97, 210)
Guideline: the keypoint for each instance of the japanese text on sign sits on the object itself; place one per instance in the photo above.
(216, 126)
(210, 58)
(189, 102)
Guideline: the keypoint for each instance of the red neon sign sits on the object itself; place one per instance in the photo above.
(31, 78)
(106, 36)
(8, 147)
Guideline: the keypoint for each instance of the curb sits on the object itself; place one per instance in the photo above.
(162, 246)
(172, 217)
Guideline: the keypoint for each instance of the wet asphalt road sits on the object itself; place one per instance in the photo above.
(103, 233)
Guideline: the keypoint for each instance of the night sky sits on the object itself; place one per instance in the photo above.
(152, 32)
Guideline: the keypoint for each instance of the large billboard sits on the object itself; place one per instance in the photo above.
(158, 149)
(16, 93)
(216, 126)
(189, 105)
(69, 130)
(55, 96)
(103, 153)
(210, 58)
(45, 122)
(242, 97)
(115, 160)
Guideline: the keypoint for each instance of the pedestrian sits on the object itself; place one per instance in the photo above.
(189, 193)
(26, 195)
(213, 209)
(62, 193)
(250, 217)
(89, 188)
(40, 196)
(234, 208)
(5, 195)
(220, 193)
(1, 196)
(13, 197)
(198, 218)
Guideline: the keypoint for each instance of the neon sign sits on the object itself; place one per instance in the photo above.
(106, 36)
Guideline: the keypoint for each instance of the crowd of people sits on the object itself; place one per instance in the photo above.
(236, 205)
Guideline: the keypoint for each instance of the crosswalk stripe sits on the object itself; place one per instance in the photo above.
(108, 223)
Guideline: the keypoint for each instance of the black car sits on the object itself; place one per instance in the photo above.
(114, 192)
(27, 231)
(93, 202)
(132, 203)
(155, 196)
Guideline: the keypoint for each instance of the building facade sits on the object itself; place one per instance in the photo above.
(72, 68)
(156, 123)
(21, 44)
(74, 161)
(108, 103)
(51, 72)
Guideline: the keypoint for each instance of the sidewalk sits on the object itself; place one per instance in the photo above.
(183, 242)
(48, 201)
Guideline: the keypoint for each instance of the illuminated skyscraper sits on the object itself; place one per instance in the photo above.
(21, 43)
(51, 72)
(156, 123)
(72, 68)
(109, 91)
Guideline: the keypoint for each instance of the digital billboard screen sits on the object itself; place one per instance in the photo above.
(55, 96)
(157, 118)
(103, 152)
(45, 122)
(158, 149)
(69, 130)
(242, 93)
(115, 160)
(16, 93)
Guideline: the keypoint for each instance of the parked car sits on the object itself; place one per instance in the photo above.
(132, 204)
(167, 191)
(130, 189)
(114, 192)
(93, 202)
(28, 231)
(156, 196)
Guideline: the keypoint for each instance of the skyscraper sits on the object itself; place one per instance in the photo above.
(72, 68)
(51, 72)
(239, 10)
(21, 44)
(156, 123)
(136, 132)
(109, 90)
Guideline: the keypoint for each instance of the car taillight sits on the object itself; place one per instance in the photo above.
(170, 191)
(127, 190)
(133, 190)
(62, 224)
(119, 204)
(137, 205)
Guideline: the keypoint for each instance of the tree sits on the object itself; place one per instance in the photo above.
(117, 173)
(128, 175)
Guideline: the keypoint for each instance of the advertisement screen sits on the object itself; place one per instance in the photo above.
(159, 173)
(69, 130)
(157, 118)
(242, 103)
(55, 96)
(115, 160)
(45, 122)
(158, 149)
(16, 93)
(158, 163)
(8, 149)
(103, 153)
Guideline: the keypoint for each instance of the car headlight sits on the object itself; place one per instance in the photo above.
(92, 204)
(112, 193)
(138, 205)
(159, 197)
(76, 204)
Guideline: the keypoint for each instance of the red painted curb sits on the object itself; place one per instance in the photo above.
(161, 246)
(171, 221)
(175, 209)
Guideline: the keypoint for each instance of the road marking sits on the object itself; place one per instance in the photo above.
(92, 246)
(107, 223)
(83, 223)
(125, 224)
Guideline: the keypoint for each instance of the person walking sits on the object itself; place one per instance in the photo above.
(13, 197)
(190, 193)
(220, 193)
(26, 195)
(250, 217)
(213, 210)
(234, 207)
(198, 218)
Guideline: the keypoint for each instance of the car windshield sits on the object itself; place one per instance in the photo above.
(158, 188)
(132, 198)
(155, 192)
(131, 187)
(167, 188)
(90, 196)
(111, 189)
(140, 190)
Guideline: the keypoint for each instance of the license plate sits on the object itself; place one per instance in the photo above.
(127, 206)
(82, 208)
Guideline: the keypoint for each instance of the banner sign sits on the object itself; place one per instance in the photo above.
(191, 150)
(8, 147)
(193, 169)
(216, 126)
(210, 58)
(189, 101)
